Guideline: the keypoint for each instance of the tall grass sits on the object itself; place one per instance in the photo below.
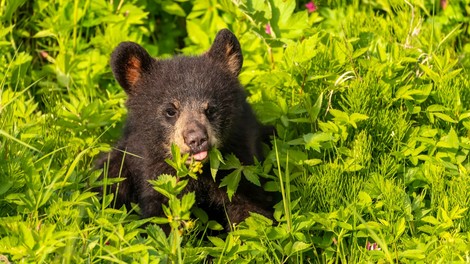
(370, 100)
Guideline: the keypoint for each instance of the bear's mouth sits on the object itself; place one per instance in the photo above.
(200, 156)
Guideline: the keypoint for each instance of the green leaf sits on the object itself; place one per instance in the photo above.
(464, 115)
(197, 34)
(173, 8)
(316, 108)
(430, 219)
(400, 228)
(275, 233)
(44, 33)
(215, 158)
(356, 117)
(436, 108)
(339, 115)
(360, 52)
(214, 225)
(250, 173)
(231, 181)
(312, 162)
(405, 92)
(200, 214)
(313, 141)
(364, 198)
(299, 246)
(268, 111)
(371, 225)
(451, 141)
(432, 74)
(344, 225)
(218, 242)
(445, 117)
(9, 9)
(5, 186)
(26, 236)
(416, 254)
(301, 51)
(168, 185)
(231, 162)
(381, 52)
(188, 201)
(245, 233)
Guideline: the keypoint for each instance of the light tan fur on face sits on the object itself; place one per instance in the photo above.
(188, 114)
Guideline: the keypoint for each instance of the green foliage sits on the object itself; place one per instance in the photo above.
(370, 100)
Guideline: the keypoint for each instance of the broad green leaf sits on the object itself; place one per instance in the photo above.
(200, 214)
(381, 52)
(344, 225)
(339, 115)
(445, 117)
(430, 219)
(197, 34)
(356, 117)
(5, 186)
(316, 108)
(44, 33)
(416, 254)
(432, 74)
(371, 225)
(275, 233)
(231, 181)
(231, 162)
(360, 52)
(436, 108)
(188, 201)
(173, 8)
(405, 92)
(364, 198)
(451, 141)
(27, 236)
(250, 173)
(312, 141)
(215, 158)
(312, 162)
(213, 225)
(400, 227)
(245, 233)
(464, 116)
(218, 242)
(299, 246)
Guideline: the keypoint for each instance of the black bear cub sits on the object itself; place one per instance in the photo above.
(196, 103)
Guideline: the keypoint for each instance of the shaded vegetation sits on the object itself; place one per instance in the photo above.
(370, 99)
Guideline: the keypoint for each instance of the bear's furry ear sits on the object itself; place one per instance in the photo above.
(129, 61)
(226, 50)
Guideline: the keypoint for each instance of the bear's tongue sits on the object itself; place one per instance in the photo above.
(200, 156)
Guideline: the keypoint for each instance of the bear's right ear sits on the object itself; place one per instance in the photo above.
(226, 50)
(129, 61)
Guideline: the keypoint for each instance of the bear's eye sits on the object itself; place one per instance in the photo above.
(171, 112)
(210, 111)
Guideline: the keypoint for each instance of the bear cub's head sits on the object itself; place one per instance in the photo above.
(193, 102)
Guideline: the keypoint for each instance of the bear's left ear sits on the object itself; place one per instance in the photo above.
(226, 50)
(129, 61)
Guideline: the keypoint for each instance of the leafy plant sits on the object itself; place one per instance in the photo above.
(370, 101)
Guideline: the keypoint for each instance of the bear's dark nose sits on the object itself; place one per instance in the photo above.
(196, 139)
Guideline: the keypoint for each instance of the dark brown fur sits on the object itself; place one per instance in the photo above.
(197, 103)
